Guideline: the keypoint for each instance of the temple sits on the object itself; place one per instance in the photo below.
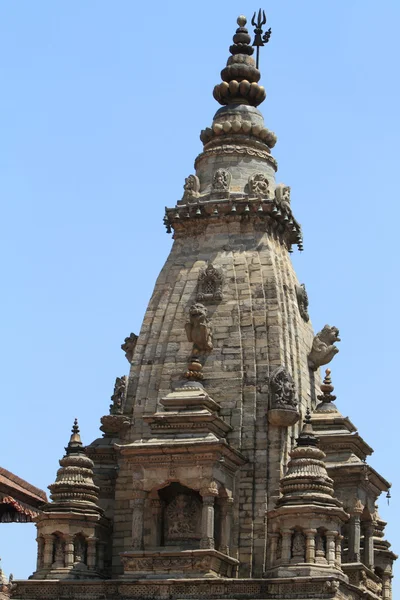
(225, 469)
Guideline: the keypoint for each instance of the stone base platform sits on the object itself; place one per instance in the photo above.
(179, 563)
(301, 588)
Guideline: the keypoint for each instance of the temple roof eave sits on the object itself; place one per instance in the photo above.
(356, 472)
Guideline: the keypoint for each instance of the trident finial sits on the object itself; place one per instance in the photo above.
(260, 38)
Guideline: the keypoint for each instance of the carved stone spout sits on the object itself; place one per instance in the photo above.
(323, 347)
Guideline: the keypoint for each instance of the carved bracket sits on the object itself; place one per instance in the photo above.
(323, 347)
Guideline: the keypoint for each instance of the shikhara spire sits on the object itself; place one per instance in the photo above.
(205, 471)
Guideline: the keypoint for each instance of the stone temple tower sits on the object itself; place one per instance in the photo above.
(225, 469)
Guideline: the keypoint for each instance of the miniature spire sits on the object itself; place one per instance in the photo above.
(327, 388)
(240, 76)
(307, 436)
(75, 441)
(306, 476)
(74, 481)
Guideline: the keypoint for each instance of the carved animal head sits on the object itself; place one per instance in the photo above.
(197, 311)
(329, 335)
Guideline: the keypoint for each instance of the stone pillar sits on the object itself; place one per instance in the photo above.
(387, 586)
(207, 522)
(156, 511)
(286, 545)
(274, 537)
(48, 551)
(40, 553)
(138, 500)
(310, 545)
(69, 550)
(369, 545)
(331, 547)
(354, 538)
(91, 553)
(100, 557)
(226, 524)
(338, 551)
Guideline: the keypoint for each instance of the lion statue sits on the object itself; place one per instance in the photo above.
(323, 348)
(198, 329)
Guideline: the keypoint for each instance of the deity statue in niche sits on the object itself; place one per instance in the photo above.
(182, 519)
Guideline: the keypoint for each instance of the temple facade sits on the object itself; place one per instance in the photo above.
(225, 468)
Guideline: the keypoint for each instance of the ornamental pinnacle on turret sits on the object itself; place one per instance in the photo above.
(240, 77)
(74, 481)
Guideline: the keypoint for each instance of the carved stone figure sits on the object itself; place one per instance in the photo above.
(191, 188)
(282, 196)
(221, 181)
(79, 550)
(323, 348)
(198, 329)
(299, 547)
(182, 517)
(302, 301)
(259, 185)
(129, 346)
(209, 283)
(58, 552)
(283, 389)
(319, 549)
(118, 396)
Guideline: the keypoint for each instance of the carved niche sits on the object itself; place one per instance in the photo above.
(221, 181)
(258, 185)
(302, 301)
(283, 406)
(118, 397)
(191, 188)
(182, 522)
(323, 347)
(129, 346)
(198, 329)
(209, 283)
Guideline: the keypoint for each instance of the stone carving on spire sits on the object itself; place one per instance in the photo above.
(191, 188)
(283, 389)
(323, 347)
(282, 196)
(198, 329)
(118, 397)
(259, 185)
(302, 301)
(283, 406)
(129, 346)
(221, 181)
(209, 283)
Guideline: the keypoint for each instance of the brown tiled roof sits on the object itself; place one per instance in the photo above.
(20, 488)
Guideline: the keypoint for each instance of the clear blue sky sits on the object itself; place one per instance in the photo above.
(101, 108)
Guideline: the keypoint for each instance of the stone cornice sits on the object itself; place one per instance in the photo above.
(265, 214)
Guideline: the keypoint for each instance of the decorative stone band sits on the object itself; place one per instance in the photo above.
(268, 213)
(236, 149)
(238, 126)
(209, 588)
